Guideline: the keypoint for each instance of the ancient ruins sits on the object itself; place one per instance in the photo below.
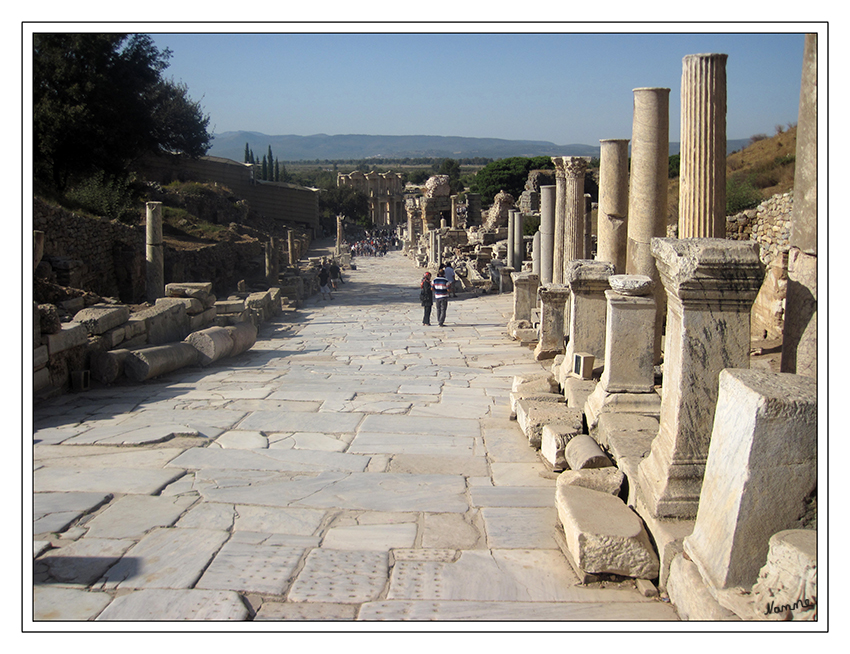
(685, 465)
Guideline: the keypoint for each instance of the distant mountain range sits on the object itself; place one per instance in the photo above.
(289, 147)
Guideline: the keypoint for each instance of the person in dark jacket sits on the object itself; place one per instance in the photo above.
(426, 297)
(441, 295)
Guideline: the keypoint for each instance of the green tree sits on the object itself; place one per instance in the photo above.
(264, 175)
(248, 157)
(507, 175)
(450, 167)
(346, 201)
(100, 102)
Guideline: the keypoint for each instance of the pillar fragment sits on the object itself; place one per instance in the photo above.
(552, 300)
(154, 255)
(547, 232)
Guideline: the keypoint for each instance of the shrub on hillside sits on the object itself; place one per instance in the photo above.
(102, 195)
(740, 195)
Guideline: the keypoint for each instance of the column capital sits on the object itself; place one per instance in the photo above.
(588, 275)
(554, 293)
(711, 271)
(575, 167)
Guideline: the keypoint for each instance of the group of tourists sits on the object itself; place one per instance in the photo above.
(375, 244)
(436, 291)
(330, 277)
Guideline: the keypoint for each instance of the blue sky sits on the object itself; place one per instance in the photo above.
(558, 87)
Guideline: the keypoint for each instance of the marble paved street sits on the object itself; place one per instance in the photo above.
(353, 465)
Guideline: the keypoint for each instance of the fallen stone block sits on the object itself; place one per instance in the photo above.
(612, 424)
(100, 318)
(577, 391)
(583, 452)
(604, 480)
(108, 366)
(553, 440)
(603, 535)
(690, 596)
(151, 362)
(40, 357)
(244, 335)
(198, 290)
(114, 337)
(516, 396)
(787, 585)
(202, 320)
(165, 323)
(546, 382)
(70, 335)
(532, 416)
(40, 379)
(212, 344)
(193, 305)
(230, 306)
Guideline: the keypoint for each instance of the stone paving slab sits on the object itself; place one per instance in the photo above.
(53, 512)
(270, 459)
(106, 480)
(161, 604)
(57, 603)
(413, 425)
(250, 567)
(370, 537)
(363, 579)
(132, 516)
(329, 423)
(520, 527)
(165, 558)
(83, 562)
(412, 444)
(302, 611)
(515, 611)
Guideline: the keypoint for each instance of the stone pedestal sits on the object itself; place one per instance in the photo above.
(628, 380)
(612, 221)
(648, 190)
(710, 286)
(506, 284)
(154, 254)
(702, 171)
(553, 299)
(547, 232)
(525, 297)
(588, 281)
(761, 467)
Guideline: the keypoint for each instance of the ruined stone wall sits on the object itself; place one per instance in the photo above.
(283, 202)
(105, 257)
(769, 224)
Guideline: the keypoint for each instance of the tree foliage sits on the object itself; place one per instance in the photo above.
(346, 201)
(100, 102)
(507, 175)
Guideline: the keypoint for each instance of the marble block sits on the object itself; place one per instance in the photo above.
(533, 416)
(603, 535)
(605, 480)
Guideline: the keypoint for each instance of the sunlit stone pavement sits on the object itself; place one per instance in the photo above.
(353, 465)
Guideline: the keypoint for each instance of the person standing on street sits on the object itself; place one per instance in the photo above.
(441, 295)
(426, 297)
(450, 278)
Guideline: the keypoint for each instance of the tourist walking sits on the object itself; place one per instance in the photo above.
(324, 283)
(441, 295)
(426, 297)
(450, 278)
(336, 274)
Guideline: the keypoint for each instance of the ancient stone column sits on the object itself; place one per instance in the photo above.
(574, 209)
(547, 232)
(800, 345)
(155, 270)
(519, 240)
(761, 468)
(612, 221)
(553, 299)
(290, 245)
(628, 380)
(454, 211)
(702, 168)
(648, 190)
(535, 253)
(510, 258)
(560, 208)
(710, 286)
(272, 262)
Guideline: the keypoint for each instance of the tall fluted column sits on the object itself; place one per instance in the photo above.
(800, 334)
(612, 222)
(560, 208)
(547, 232)
(519, 240)
(510, 256)
(574, 209)
(648, 191)
(155, 270)
(702, 168)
